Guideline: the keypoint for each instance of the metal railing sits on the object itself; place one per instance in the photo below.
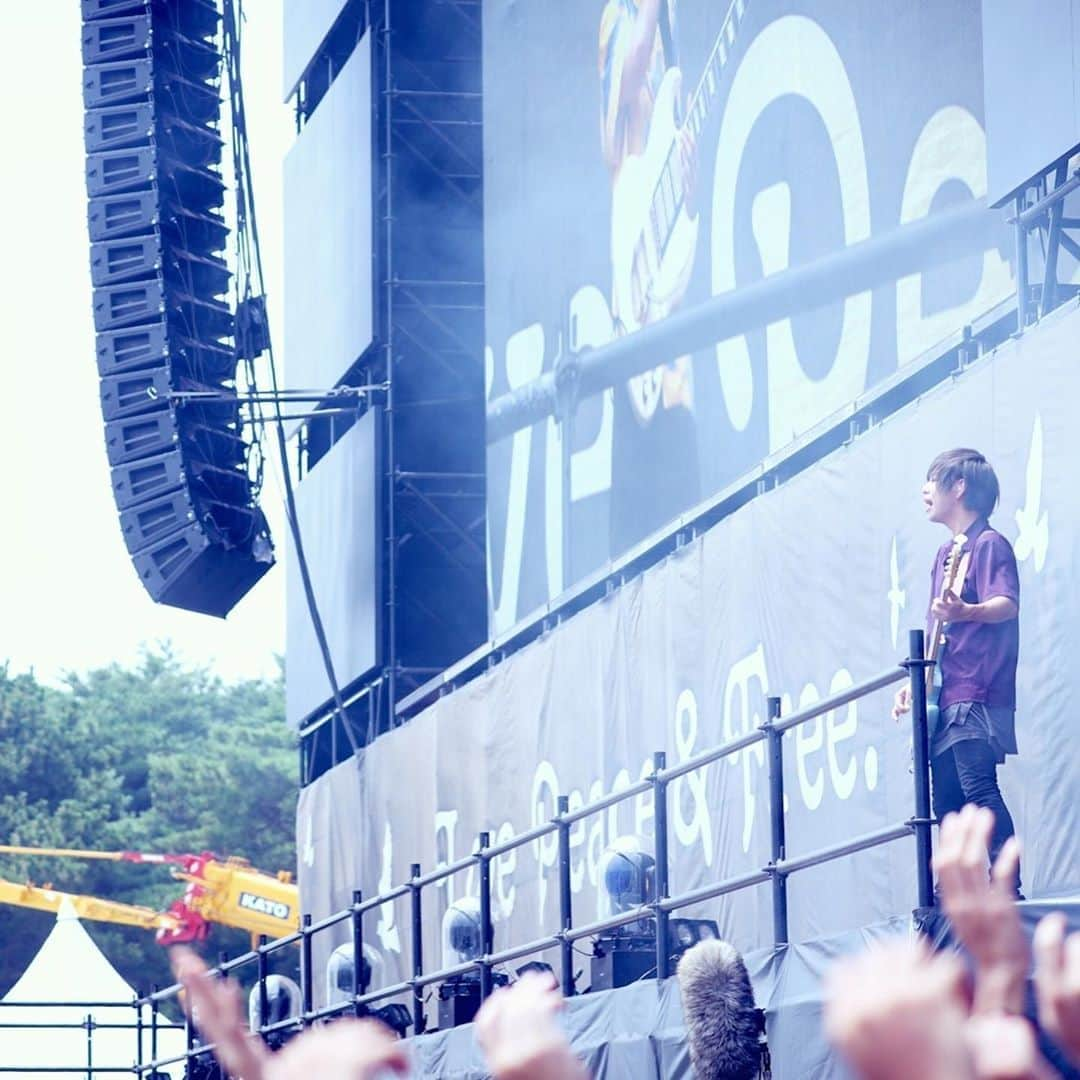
(780, 867)
(939, 238)
(91, 1025)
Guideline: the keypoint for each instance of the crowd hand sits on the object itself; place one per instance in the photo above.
(1057, 983)
(897, 1012)
(517, 1030)
(982, 909)
(346, 1050)
(902, 702)
(1004, 1048)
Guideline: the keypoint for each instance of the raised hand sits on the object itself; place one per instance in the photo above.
(1004, 1048)
(345, 1050)
(521, 1040)
(215, 1005)
(897, 1012)
(981, 908)
(902, 702)
(1057, 982)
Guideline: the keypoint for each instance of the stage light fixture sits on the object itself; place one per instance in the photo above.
(284, 1001)
(628, 952)
(463, 940)
(462, 932)
(537, 966)
(627, 875)
(339, 987)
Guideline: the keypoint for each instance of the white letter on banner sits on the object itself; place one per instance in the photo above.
(590, 467)
(796, 402)
(577, 839)
(591, 327)
(620, 783)
(751, 668)
(504, 868)
(809, 739)
(699, 826)
(446, 824)
(952, 146)
(545, 790)
(645, 804)
(387, 930)
(838, 731)
(594, 847)
(524, 363)
(553, 507)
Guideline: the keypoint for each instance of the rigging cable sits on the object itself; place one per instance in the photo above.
(246, 227)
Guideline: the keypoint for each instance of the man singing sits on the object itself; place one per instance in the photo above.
(977, 704)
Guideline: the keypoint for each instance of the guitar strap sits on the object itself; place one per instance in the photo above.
(671, 57)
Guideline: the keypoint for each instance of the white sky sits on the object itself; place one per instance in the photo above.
(69, 596)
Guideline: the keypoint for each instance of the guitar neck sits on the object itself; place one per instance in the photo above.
(933, 644)
(708, 87)
(933, 651)
(954, 577)
(669, 193)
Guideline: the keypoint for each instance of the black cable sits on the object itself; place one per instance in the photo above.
(246, 199)
(243, 293)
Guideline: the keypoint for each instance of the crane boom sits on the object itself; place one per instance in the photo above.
(230, 892)
(83, 853)
(87, 907)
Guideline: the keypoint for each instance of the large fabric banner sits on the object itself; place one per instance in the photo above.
(807, 589)
(642, 157)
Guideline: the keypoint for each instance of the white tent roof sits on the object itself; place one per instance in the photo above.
(70, 967)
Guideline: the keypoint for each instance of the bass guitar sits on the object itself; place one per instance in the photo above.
(952, 581)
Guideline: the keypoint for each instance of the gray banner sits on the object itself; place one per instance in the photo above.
(807, 589)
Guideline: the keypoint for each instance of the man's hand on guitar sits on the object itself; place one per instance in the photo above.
(902, 702)
(950, 608)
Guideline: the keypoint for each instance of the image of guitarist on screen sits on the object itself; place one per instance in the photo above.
(976, 626)
(648, 147)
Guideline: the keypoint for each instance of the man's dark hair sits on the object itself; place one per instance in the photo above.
(981, 489)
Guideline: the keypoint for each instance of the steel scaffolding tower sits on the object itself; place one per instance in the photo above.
(429, 337)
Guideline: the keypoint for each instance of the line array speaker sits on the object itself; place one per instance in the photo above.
(165, 332)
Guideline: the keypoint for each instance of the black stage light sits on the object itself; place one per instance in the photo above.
(340, 978)
(463, 940)
(535, 965)
(628, 953)
(283, 1002)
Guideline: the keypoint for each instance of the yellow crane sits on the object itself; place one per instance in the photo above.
(45, 898)
(229, 892)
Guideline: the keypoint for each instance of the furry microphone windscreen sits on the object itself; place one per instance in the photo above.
(722, 1024)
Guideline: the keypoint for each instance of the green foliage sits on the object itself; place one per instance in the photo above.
(159, 758)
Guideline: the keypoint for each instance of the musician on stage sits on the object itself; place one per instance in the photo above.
(977, 702)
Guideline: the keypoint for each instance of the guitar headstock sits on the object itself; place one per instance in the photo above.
(955, 570)
(952, 562)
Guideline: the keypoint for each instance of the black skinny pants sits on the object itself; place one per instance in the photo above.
(967, 773)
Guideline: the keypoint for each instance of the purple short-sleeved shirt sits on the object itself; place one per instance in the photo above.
(979, 662)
